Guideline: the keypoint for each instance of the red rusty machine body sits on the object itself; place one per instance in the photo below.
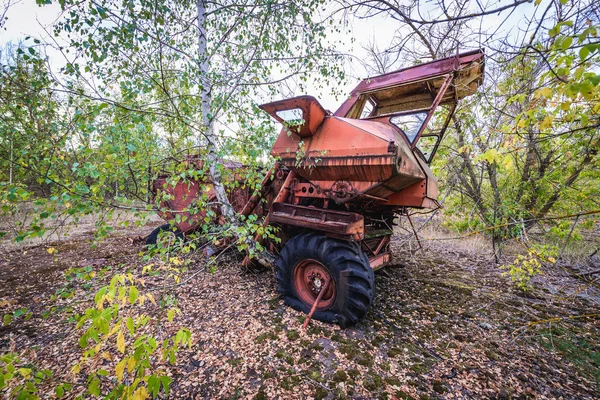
(342, 178)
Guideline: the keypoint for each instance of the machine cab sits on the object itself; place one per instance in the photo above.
(418, 101)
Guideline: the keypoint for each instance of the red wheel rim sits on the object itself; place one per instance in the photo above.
(309, 278)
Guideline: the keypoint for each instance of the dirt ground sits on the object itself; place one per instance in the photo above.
(445, 324)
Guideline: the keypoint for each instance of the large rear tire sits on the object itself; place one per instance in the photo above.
(307, 260)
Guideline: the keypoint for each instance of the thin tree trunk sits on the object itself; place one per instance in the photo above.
(207, 117)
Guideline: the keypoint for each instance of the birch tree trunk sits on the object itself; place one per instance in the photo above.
(207, 117)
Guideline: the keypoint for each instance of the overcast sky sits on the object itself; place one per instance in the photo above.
(25, 18)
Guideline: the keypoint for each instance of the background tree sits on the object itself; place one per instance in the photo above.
(147, 81)
(527, 144)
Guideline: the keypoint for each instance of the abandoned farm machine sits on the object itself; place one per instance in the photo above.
(361, 167)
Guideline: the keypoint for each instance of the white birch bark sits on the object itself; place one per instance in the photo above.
(208, 119)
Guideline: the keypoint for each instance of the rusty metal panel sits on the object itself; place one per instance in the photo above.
(312, 114)
(379, 261)
(411, 196)
(182, 203)
(471, 63)
(339, 223)
(415, 87)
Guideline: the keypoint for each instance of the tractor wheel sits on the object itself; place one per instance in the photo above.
(304, 264)
(176, 235)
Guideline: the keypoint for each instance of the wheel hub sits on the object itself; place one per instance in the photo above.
(309, 279)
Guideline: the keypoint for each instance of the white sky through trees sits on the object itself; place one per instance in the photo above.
(26, 18)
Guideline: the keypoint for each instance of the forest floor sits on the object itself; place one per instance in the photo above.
(445, 324)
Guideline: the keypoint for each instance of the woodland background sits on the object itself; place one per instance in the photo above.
(111, 93)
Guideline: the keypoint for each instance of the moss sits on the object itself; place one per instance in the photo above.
(235, 361)
(353, 373)
(575, 347)
(385, 366)
(355, 354)
(492, 355)
(273, 303)
(306, 356)
(392, 380)
(365, 360)
(317, 347)
(376, 342)
(316, 330)
(282, 355)
(321, 393)
(373, 383)
(336, 337)
(458, 286)
(378, 380)
(268, 375)
(289, 382)
(293, 335)
(339, 376)
(419, 368)
(316, 376)
(403, 395)
(263, 337)
(394, 351)
(339, 394)
(439, 387)
(261, 395)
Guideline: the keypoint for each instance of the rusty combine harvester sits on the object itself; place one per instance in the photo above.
(342, 178)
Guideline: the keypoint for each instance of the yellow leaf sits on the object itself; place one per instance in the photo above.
(147, 268)
(176, 260)
(140, 394)
(121, 342)
(120, 369)
(508, 163)
(552, 259)
(106, 355)
(25, 372)
(141, 300)
(113, 330)
(130, 364)
(547, 122)
(51, 250)
(151, 298)
(76, 368)
(543, 92)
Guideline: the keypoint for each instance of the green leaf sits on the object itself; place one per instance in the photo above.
(153, 385)
(584, 52)
(133, 294)
(166, 383)
(566, 43)
(94, 386)
(130, 325)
